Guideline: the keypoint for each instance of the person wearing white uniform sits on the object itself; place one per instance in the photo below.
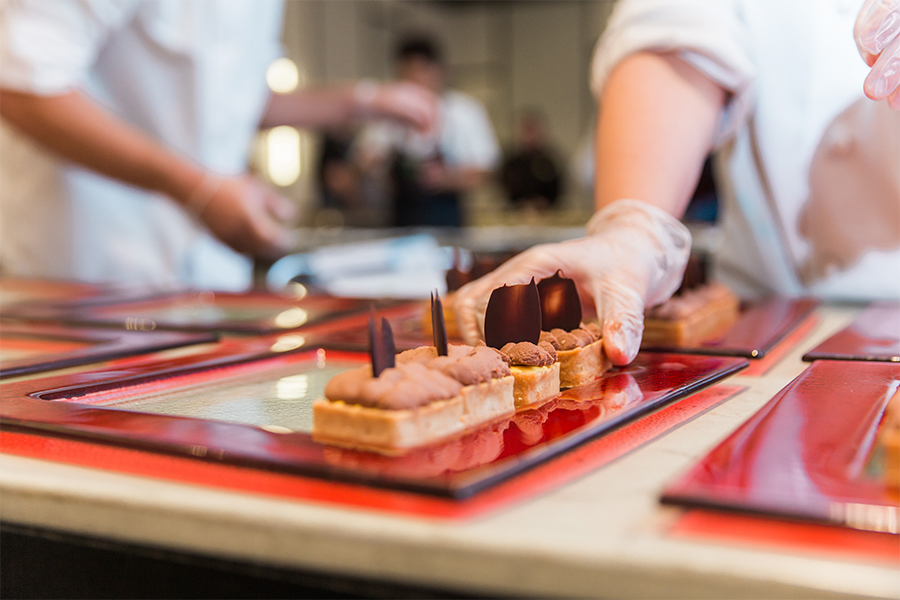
(126, 130)
(431, 172)
(810, 168)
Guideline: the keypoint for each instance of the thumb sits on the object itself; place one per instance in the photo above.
(621, 313)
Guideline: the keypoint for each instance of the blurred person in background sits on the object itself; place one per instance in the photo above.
(530, 175)
(431, 173)
(126, 127)
(809, 168)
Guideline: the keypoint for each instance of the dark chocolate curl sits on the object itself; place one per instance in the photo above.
(560, 305)
(381, 345)
(513, 315)
(438, 325)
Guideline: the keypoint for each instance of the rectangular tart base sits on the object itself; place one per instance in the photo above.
(582, 365)
(700, 326)
(535, 384)
(393, 431)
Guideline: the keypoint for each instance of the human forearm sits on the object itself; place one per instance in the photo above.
(656, 124)
(75, 128)
(343, 104)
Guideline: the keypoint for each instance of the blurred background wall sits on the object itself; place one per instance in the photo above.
(510, 55)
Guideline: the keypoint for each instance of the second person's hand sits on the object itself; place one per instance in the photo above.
(247, 214)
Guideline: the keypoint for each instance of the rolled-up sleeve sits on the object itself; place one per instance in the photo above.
(49, 46)
(711, 35)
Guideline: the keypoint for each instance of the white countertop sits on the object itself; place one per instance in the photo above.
(602, 535)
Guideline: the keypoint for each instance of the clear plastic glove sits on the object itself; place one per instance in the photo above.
(633, 256)
(402, 101)
(877, 35)
(247, 215)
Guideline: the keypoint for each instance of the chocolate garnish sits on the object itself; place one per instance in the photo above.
(560, 304)
(381, 344)
(438, 325)
(696, 273)
(455, 276)
(513, 315)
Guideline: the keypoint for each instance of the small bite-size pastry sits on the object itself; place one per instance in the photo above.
(889, 441)
(694, 316)
(512, 324)
(536, 372)
(580, 352)
(579, 346)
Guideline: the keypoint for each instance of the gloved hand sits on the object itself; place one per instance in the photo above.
(634, 255)
(246, 214)
(877, 35)
(402, 101)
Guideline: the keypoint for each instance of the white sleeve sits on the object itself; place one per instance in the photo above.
(709, 34)
(47, 47)
(471, 141)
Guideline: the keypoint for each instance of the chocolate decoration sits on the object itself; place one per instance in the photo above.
(381, 344)
(696, 273)
(513, 315)
(438, 325)
(560, 304)
(456, 277)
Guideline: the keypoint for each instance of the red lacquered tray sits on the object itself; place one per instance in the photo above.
(761, 325)
(227, 312)
(806, 454)
(873, 335)
(27, 348)
(246, 403)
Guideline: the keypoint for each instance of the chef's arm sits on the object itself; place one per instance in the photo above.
(240, 210)
(657, 119)
(328, 106)
(75, 128)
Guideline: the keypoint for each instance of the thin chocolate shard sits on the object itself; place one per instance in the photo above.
(438, 325)
(513, 315)
(560, 304)
(456, 277)
(381, 344)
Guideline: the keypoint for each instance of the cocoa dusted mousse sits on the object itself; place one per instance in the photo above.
(580, 353)
(695, 316)
(418, 399)
(536, 372)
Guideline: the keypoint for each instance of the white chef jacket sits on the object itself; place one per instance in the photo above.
(189, 74)
(465, 137)
(797, 101)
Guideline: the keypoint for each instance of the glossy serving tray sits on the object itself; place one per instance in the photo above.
(873, 335)
(226, 312)
(761, 325)
(247, 402)
(27, 348)
(807, 454)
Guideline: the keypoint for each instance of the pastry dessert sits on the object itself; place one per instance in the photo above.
(889, 440)
(696, 315)
(580, 351)
(512, 324)
(536, 372)
(449, 320)
(579, 347)
(422, 398)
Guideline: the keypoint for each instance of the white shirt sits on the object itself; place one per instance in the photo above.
(797, 117)
(189, 74)
(466, 138)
